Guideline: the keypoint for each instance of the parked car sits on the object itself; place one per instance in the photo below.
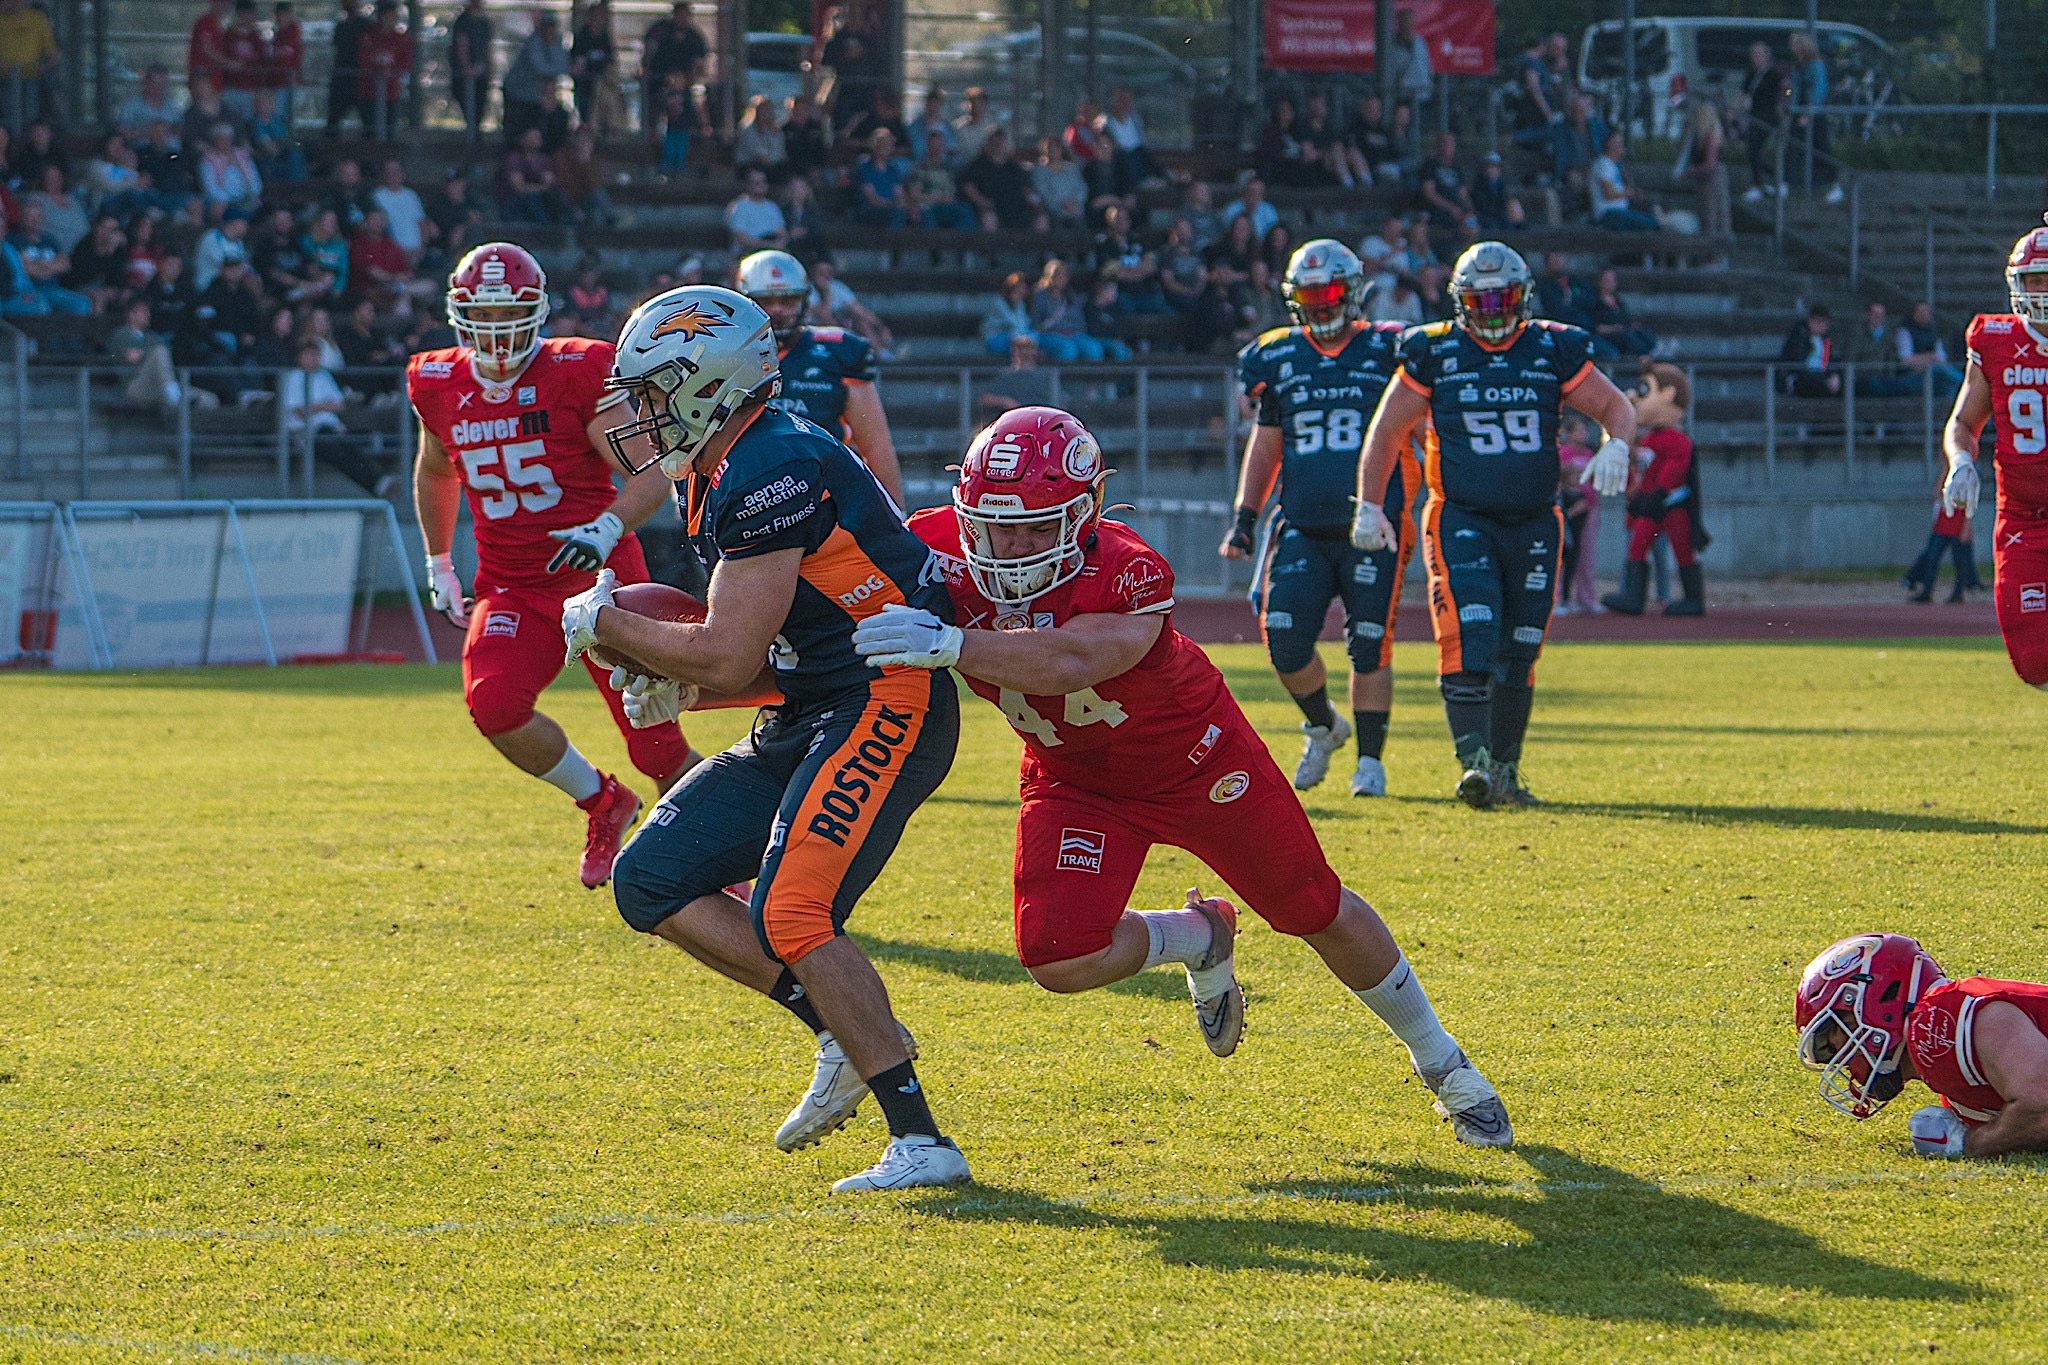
(1007, 66)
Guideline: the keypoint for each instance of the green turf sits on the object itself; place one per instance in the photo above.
(311, 1049)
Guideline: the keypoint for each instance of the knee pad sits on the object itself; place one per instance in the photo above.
(1289, 646)
(498, 706)
(1466, 688)
(1366, 643)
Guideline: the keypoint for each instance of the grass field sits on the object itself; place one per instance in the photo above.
(311, 1049)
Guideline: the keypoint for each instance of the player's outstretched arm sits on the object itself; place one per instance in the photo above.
(1959, 440)
(2014, 1057)
(1262, 450)
(747, 604)
(1053, 662)
(868, 425)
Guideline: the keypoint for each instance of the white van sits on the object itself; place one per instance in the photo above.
(1675, 57)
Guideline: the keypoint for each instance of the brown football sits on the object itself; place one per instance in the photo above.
(657, 600)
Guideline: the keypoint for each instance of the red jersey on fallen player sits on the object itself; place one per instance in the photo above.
(2015, 363)
(1147, 730)
(527, 465)
(1941, 1040)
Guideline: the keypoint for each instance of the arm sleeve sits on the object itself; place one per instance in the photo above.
(783, 508)
(1574, 355)
(856, 359)
(1417, 366)
(1251, 370)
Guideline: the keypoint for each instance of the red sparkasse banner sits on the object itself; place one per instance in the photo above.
(1337, 35)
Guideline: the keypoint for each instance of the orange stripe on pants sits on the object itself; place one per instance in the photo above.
(1443, 608)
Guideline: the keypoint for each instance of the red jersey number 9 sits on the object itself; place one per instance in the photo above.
(533, 487)
(2029, 421)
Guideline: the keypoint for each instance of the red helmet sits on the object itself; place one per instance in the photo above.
(2029, 258)
(499, 275)
(1851, 1012)
(1031, 468)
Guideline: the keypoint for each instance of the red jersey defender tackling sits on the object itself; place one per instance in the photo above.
(1131, 739)
(514, 422)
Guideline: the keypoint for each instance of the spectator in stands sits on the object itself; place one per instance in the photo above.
(1371, 141)
(526, 184)
(1229, 259)
(1182, 276)
(1541, 79)
(1444, 194)
(64, 215)
(1251, 203)
(974, 127)
(1058, 320)
(1198, 206)
(1008, 315)
(28, 52)
(1262, 295)
(757, 143)
(1764, 93)
(38, 149)
(287, 65)
(1809, 353)
(681, 120)
(1059, 184)
(805, 138)
(1576, 594)
(801, 215)
(931, 122)
(1613, 201)
(227, 241)
(1132, 166)
(999, 188)
(328, 249)
(932, 195)
(274, 349)
(19, 296)
(859, 65)
(1809, 132)
(593, 58)
(469, 65)
(404, 214)
(316, 329)
(1023, 385)
(115, 182)
(344, 78)
(1124, 261)
(230, 313)
(834, 304)
(754, 220)
(878, 183)
(385, 54)
(541, 62)
(145, 255)
(672, 54)
(580, 175)
(592, 297)
(1431, 294)
(1585, 133)
(1381, 252)
(553, 120)
(1496, 208)
(885, 110)
(152, 103)
(1613, 326)
(1326, 147)
(458, 221)
(245, 61)
(1104, 312)
(151, 382)
(169, 172)
(1559, 296)
(312, 403)
(272, 146)
(1282, 160)
(364, 347)
(172, 301)
(1086, 145)
(228, 177)
(99, 264)
(1922, 352)
(1211, 328)
(1399, 301)
(1704, 165)
(380, 270)
(1276, 248)
(347, 195)
(285, 268)
(1413, 80)
(204, 56)
(1872, 347)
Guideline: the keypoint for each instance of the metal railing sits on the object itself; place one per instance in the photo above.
(1990, 113)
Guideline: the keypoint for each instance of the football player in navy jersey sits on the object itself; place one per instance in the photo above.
(801, 544)
(828, 373)
(1315, 384)
(1492, 385)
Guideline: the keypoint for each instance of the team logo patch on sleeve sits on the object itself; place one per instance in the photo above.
(1081, 850)
(1230, 786)
(505, 623)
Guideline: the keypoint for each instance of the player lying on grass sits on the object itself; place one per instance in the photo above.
(1132, 739)
(1875, 1011)
(800, 543)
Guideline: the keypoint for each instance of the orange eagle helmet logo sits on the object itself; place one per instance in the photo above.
(687, 322)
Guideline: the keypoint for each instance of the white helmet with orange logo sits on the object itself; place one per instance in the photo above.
(688, 361)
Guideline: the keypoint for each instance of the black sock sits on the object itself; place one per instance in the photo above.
(1510, 720)
(1371, 727)
(789, 993)
(902, 1100)
(1468, 706)
(1316, 706)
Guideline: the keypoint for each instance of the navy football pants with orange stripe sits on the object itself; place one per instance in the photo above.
(810, 805)
(1303, 572)
(1492, 584)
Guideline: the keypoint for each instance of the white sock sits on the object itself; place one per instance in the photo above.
(574, 775)
(1399, 1002)
(1177, 936)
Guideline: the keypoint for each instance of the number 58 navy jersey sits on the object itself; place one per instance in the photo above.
(1492, 442)
(1322, 402)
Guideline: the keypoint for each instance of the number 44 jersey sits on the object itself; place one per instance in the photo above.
(2015, 363)
(522, 450)
(1145, 732)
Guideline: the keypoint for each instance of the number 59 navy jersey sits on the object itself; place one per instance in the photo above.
(1322, 402)
(1492, 443)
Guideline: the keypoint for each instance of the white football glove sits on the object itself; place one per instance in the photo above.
(1370, 529)
(652, 701)
(908, 637)
(445, 588)
(1962, 488)
(587, 546)
(1937, 1132)
(579, 614)
(1607, 471)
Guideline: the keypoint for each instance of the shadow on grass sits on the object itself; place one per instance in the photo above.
(1003, 969)
(1809, 817)
(1595, 1242)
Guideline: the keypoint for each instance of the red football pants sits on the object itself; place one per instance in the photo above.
(1675, 526)
(2019, 589)
(514, 650)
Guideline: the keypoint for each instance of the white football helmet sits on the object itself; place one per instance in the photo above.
(688, 360)
(1324, 288)
(771, 276)
(1492, 292)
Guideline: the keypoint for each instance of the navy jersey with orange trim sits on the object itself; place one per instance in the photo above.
(1492, 444)
(789, 484)
(1322, 402)
(816, 370)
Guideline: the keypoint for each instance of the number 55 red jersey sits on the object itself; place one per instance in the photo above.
(2015, 363)
(520, 447)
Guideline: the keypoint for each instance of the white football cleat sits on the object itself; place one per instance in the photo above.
(1319, 742)
(1370, 779)
(1221, 1016)
(1469, 1101)
(835, 1094)
(913, 1161)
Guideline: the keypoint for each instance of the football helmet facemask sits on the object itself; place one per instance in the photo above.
(1492, 292)
(1851, 1010)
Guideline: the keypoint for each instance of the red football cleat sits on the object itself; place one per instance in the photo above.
(611, 815)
